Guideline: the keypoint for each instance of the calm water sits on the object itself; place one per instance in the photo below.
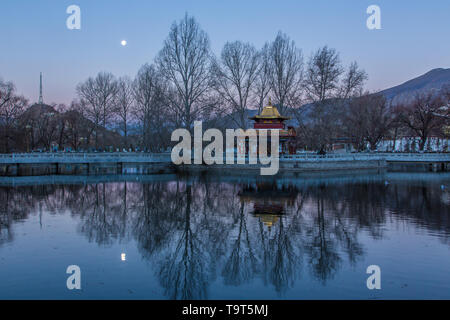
(212, 237)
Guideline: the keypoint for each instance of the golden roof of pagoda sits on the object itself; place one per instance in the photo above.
(269, 112)
(268, 219)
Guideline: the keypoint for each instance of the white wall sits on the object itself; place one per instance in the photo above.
(401, 145)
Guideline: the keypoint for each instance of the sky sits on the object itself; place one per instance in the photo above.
(413, 39)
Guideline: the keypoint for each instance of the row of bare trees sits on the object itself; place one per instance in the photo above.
(12, 105)
(367, 119)
(25, 127)
(136, 108)
(428, 114)
(187, 82)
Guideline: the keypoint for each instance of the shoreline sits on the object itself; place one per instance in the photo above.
(299, 178)
(16, 165)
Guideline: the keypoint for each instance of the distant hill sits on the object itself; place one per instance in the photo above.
(405, 92)
(36, 110)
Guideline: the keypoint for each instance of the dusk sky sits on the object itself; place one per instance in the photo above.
(413, 40)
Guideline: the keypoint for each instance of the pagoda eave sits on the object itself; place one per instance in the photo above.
(269, 118)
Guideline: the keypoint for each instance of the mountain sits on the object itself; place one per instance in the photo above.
(433, 80)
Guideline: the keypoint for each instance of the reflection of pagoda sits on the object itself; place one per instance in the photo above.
(268, 219)
(269, 200)
(270, 119)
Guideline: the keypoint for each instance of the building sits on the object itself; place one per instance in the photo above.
(271, 119)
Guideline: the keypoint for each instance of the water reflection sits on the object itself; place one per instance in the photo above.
(201, 229)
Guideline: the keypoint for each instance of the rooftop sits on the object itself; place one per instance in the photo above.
(269, 112)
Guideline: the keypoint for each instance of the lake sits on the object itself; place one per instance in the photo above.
(226, 237)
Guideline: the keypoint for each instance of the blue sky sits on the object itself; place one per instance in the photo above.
(414, 37)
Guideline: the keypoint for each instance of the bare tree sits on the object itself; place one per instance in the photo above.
(235, 76)
(73, 135)
(286, 72)
(124, 104)
(327, 91)
(263, 77)
(185, 62)
(47, 126)
(321, 125)
(354, 124)
(323, 73)
(422, 116)
(368, 120)
(321, 84)
(445, 110)
(7, 92)
(11, 104)
(79, 129)
(150, 95)
(326, 78)
(97, 96)
(61, 123)
(379, 119)
(41, 123)
(11, 107)
(353, 81)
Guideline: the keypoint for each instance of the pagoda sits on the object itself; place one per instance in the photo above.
(271, 119)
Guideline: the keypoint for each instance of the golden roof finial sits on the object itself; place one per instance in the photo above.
(269, 112)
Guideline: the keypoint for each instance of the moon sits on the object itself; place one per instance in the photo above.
(123, 43)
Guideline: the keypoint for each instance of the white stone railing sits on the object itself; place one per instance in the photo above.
(331, 157)
(165, 157)
(391, 157)
(416, 157)
(84, 157)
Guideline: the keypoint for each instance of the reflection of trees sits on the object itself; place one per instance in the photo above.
(280, 250)
(17, 203)
(194, 231)
(241, 263)
(322, 249)
(421, 204)
(183, 271)
(281, 258)
(155, 216)
(101, 214)
(10, 210)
